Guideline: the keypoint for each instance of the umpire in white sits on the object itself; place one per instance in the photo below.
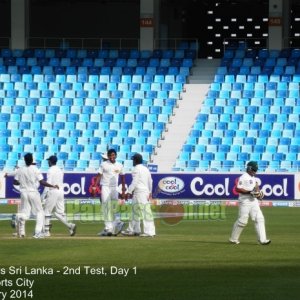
(28, 177)
(54, 198)
(140, 190)
(249, 194)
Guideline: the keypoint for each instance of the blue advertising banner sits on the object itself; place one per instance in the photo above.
(219, 186)
(183, 186)
(76, 185)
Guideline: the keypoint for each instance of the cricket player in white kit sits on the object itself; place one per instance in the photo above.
(140, 190)
(108, 175)
(25, 207)
(249, 194)
(27, 178)
(54, 198)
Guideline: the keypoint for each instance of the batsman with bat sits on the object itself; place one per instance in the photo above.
(249, 196)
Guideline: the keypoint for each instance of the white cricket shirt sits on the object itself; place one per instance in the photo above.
(29, 178)
(110, 173)
(247, 183)
(141, 180)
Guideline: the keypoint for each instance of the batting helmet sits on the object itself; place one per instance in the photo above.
(252, 166)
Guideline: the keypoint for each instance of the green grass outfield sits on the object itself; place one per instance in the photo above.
(190, 259)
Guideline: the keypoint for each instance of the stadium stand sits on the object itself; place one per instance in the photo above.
(76, 105)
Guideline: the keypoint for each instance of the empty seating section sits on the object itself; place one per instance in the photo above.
(77, 103)
(251, 112)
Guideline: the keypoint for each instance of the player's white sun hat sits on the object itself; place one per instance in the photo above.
(104, 156)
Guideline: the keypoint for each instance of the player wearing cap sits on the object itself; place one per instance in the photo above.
(54, 198)
(28, 177)
(108, 175)
(104, 156)
(140, 190)
(249, 194)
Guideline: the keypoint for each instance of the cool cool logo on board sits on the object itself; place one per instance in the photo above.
(75, 188)
(276, 190)
(198, 188)
(79, 188)
(171, 185)
(209, 189)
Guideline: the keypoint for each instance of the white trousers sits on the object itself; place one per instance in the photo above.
(110, 204)
(141, 211)
(55, 202)
(33, 200)
(23, 215)
(249, 208)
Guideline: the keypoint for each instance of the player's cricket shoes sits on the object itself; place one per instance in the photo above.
(236, 242)
(118, 228)
(129, 233)
(72, 229)
(266, 242)
(47, 234)
(18, 235)
(39, 235)
(147, 235)
(106, 233)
